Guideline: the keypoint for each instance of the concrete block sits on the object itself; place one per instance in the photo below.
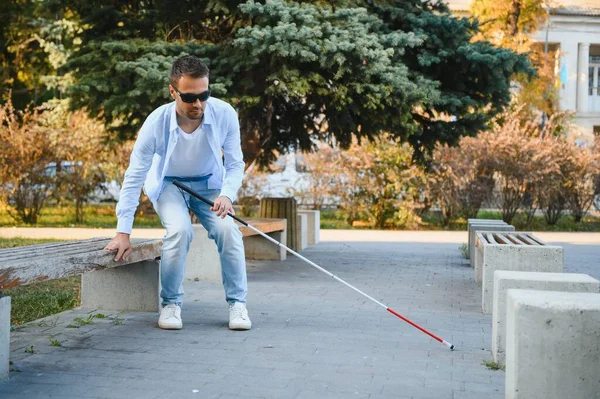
(475, 227)
(552, 345)
(313, 226)
(133, 287)
(258, 247)
(503, 254)
(203, 261)
(505, 280)
(301, 231)
(4, 337)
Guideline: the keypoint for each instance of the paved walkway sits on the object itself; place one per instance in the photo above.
(312, 337)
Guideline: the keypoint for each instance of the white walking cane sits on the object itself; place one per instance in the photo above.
(209, 202)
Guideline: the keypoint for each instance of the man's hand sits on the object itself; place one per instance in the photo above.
(222, 206)
(121, 244)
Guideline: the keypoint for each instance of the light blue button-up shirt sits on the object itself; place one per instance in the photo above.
(154, 146)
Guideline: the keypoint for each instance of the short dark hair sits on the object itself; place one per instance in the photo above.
(188, 65)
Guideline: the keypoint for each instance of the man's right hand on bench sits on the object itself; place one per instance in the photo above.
(121, 244)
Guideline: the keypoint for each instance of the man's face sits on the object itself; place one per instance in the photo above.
(189, 85)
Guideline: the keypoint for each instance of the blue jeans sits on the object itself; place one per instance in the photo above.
(173, 208)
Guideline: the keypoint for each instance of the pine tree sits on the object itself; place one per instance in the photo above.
(299, 72)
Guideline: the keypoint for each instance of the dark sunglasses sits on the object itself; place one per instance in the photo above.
(191, 98)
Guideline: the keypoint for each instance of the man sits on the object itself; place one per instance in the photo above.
(183, 140)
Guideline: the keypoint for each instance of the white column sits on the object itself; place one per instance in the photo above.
(568, 93)
(582, 77)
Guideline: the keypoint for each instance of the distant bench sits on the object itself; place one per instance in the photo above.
(127, 285)
(516, 251)
(258, 247)
(203, 261)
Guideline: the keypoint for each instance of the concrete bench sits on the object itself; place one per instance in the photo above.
(128, 285)
(203, 262)
(301, 231)
(505, 280)
(314, 225)
(552, 345)
(512, 251)
(483, 225)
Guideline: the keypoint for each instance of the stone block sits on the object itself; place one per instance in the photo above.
(475, 227)
(4, 337)
(513, 251)
(552, 345)
(505, 280)
(203, 262)
(133, 287)
(313, 226)
(301, 231)
(258, 247)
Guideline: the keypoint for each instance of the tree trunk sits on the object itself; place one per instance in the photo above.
(513, 17)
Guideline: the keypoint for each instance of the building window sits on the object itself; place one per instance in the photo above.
(596, 131)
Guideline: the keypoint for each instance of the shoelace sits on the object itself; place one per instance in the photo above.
(172, 312)
(238, 312)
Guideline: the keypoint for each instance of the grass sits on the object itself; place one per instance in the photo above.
(565, 223)
(493, 366)
(464, 250)
(336, 219)
(79, 321)
(20, 241)
(95, 216)
(54, 341)
(103, 216)
(42, 299)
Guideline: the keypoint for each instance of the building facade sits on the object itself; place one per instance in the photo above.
(573, 28)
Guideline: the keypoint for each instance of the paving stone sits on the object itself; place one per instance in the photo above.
(312, 337)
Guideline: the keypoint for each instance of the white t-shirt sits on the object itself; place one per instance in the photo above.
(192, 155)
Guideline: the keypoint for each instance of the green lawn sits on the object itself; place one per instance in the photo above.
(42, 299)
(97, 216)
(336, 219)
(565, 223)
(103, 215)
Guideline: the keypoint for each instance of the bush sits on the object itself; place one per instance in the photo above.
(582, 180)
(459, 178)
(25, 150)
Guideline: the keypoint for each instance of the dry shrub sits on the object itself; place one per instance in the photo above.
(25, 151)
(460, 178)
(582, 179)
(378, 178)
(323, 169)
(81, 142)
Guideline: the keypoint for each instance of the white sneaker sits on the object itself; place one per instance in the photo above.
(238, 317)
(170, 317)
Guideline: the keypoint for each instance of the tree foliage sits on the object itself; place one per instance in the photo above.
(297, 72)
(510, 24)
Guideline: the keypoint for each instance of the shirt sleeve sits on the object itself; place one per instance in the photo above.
(139, 164)
(234, 159)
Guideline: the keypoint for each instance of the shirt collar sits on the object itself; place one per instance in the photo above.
(208, 115)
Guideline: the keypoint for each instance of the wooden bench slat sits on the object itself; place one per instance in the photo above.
(28, 264)
(68, 248)
(266, 225)
(489, 238)
(513, 240)
(30, 270)
(64, 247)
